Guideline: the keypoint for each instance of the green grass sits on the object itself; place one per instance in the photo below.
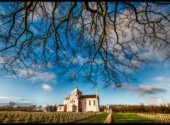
(130, 118)
(95, 119)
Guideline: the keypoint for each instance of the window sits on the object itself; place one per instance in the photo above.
(72, 101)
(89, 102)
(94, 102)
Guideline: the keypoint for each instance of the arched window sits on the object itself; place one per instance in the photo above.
(89, 102)
(94, 102)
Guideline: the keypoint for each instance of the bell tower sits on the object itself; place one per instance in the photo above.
(97, 93)
(97, 101)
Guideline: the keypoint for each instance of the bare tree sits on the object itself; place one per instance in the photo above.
(88, 39)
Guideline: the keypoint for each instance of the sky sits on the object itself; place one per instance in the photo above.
(51, 87)
(152, 87)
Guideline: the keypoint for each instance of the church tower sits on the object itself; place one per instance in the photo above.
(76, 91)
(97, 100)
(97, 93)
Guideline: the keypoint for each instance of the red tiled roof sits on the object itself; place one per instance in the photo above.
(88, 96)
(60, 105)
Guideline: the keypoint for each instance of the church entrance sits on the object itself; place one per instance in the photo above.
(74, 108)
(80, 109)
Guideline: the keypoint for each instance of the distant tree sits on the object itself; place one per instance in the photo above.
(55, 107)
(102, 108)
(18, 108)
(11, 103)
(168, 105)
(34, 107)
(39, 107)
(51, 108)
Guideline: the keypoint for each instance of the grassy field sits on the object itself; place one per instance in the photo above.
(95, 119)
(73, 117)
(130, 118)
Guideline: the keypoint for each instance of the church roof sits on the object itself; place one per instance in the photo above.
(67, 97)
(60, 105)
(76, 90)
(88, 96)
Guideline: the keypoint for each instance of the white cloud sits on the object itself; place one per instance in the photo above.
(2, 10)
(157, 54)
(42, 12)
(145, 89)
(5, 97)
(155, 100)
(129, 31)
(156, 91)
(149, 89)
(25, 101)
(160, 79)
(159, 101)
(47, 87)
(15, 99)
(43, 76)
(35, 76)
(10, 98)
(2, 60)
(80, 60)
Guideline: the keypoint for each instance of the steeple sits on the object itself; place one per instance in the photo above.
(76, 86)
(97, 93)
(76, 91)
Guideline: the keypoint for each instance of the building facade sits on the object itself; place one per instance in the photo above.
(76, 102)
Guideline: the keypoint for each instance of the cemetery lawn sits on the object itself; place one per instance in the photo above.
(130, 118)
(95, 119)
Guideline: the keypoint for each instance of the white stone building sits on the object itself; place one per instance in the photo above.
(76, 102)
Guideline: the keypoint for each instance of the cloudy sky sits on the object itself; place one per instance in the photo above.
(152, 86)
(51, 87)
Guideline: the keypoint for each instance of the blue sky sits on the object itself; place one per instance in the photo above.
(51, 87)
(152, 87)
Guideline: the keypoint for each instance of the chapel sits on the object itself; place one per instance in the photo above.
(77, 102)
